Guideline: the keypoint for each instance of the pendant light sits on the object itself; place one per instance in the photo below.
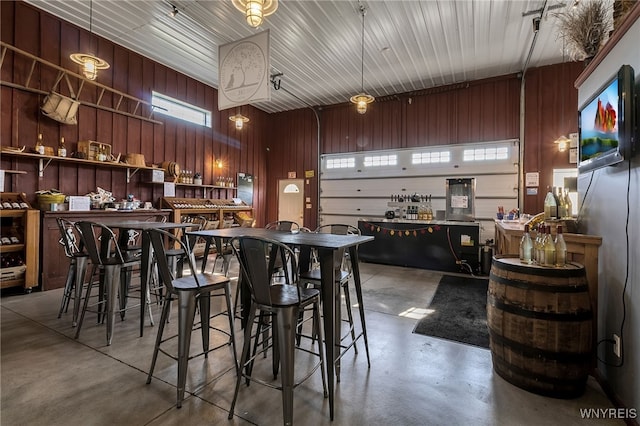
(362, 99)
(90, 63)
(562, 141)
(239, 119)
(255, 10)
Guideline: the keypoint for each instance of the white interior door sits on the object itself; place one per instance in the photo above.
(291, 200)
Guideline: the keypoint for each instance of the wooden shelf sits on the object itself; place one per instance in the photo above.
(11, 248)
(45, 160)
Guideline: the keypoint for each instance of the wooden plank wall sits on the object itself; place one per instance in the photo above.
(271, 145)
(192, 147)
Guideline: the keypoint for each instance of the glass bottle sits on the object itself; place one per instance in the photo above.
(62, 149)
(561, 248)
(39, 145)
(568, 204)
(526, 247)
(562, 207)
(550, 205)
(549, 248)
(429, 209)
(539, 245)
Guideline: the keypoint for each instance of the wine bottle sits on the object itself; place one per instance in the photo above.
(561, 248)
(62, 149)
(550, 205)
(549, 248)
(526, 247)
(40, 145)
(568, 204)
(562, 207)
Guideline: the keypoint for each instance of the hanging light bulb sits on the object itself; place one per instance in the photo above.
(362, 99)
(239, 120)
(90, 63)
(255, 10)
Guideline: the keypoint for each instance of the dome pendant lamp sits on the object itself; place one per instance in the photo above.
(255, 10)
(362, 99)
(90, 63)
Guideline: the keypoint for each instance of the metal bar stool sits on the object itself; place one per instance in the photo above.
(343, 272)
(283, 302)
(188, 290)
(74, 251)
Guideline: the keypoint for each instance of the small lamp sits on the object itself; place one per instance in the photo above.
(362, 99)
(239, 119)
(563, 143)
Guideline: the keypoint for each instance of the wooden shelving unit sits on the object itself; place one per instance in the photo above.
(24, 224)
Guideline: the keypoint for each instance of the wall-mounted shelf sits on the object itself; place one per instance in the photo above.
(204, 188)
(45, 160)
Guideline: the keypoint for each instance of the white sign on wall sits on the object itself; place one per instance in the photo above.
(532, 179)
(243, 71)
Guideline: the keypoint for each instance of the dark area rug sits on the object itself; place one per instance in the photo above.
(459, 311)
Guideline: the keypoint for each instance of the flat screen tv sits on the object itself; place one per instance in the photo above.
(606, 123)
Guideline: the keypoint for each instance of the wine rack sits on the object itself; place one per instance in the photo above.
(226, 212)
(19, 242)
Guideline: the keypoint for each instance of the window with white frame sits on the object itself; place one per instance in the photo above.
(483, 154)
(175, 108)
(380, 160)
(341, 163)
(431, 157)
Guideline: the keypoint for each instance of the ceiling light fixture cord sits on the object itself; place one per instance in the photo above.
(363, 11)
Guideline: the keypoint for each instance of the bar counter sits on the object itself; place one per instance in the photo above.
(437, 244)
(54, 265)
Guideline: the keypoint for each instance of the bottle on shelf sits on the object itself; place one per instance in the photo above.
(550, 205)
(62, 149)
(561, 248)
(549, 248)
(40, 145)
(537, 245)
(429, 209)
(526, 247)
(102, 156)
(568, 204)
(562, 207)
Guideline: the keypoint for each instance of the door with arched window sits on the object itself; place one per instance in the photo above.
(291, 200)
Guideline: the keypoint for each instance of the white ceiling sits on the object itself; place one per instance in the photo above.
(409, 45)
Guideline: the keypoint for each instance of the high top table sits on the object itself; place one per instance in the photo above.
(325, 244)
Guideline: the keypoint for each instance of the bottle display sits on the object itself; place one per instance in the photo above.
(561, 248)
(550, 205)
(549, 248)
(562, 206)
(568, 204)
(62, 149)
(40, 145)
(526, 247)
(537, 245)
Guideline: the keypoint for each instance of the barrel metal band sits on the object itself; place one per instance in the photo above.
(541, 271)
(537, 353)
(580, 288)
(550, 316)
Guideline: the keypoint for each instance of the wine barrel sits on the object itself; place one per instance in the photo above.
(171, 169)
(540, 326)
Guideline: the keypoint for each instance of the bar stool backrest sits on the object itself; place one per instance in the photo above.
(158, 238)
(339, 261)
(69, 238)
(107, 251)
(256, 268)
(283, 225)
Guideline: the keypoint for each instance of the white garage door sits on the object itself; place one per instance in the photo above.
(360, 185)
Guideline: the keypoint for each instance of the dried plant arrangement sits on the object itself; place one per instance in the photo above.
(586, 27)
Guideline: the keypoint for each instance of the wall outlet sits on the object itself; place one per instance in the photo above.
(616, 345)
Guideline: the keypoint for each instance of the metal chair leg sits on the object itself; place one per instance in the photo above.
(186, 315)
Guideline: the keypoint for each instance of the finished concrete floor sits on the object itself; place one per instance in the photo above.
(49, 378)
